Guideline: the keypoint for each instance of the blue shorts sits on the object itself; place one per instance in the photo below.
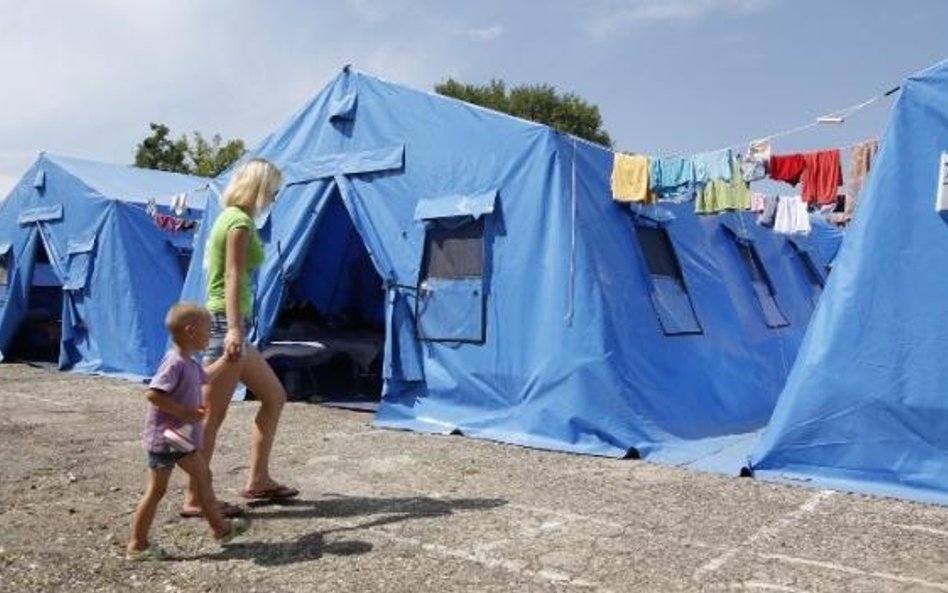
(215, 347)
(164, 459)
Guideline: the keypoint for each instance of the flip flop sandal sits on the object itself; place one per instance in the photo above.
(228, 511)
(279, 492)
(238, 526)
(152, 553)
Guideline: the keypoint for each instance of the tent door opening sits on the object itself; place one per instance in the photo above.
(327, 345)
(38, 337)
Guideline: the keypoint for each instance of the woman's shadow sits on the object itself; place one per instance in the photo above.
(312, 546)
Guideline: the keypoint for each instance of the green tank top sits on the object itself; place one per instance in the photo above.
(215, 259)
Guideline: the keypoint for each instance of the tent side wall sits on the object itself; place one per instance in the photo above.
(864, 406)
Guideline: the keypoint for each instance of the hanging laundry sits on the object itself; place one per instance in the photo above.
(759, 150)
(792, 215)
(754, 162)
(630, 178)
(769, 213)
(173, 223)
(719, 195)
(757, 202)
(711, 166)
(822, 176)
(787, 167)
(672, 176)
(179, 203)
(753, 170)
(861, 158)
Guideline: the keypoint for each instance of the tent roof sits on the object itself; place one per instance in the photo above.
(132, 184)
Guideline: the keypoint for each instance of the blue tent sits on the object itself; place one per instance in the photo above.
(85, 270)
(515, 300)
(865, 406)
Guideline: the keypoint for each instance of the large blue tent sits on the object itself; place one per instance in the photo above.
(79, 249)
(516, 300)
(865, 407)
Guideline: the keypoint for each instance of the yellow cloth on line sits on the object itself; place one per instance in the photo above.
(630, 178)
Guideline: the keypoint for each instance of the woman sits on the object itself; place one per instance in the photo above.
(232, 253)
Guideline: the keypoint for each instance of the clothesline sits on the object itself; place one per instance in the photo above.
(837, 116)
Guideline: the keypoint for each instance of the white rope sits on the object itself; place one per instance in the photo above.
(572, 245)
(839, 114)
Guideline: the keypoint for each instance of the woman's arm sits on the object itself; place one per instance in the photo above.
(235, 257)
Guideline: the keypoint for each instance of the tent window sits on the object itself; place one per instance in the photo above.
(669, 294)
(760, 282)
(451, 294)
(810, 269)
(454, 250)
(5, 249)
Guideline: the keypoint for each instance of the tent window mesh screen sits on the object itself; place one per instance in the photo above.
(761, 285)
(668, 291)
(454, 249)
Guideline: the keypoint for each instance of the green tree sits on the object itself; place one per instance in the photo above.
(197, 156)
(541, 103)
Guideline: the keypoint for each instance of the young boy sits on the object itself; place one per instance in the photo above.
(174, 397)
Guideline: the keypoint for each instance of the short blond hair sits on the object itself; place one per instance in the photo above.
(252, 186)
(181, 315)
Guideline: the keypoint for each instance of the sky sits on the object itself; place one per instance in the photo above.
(85, 78)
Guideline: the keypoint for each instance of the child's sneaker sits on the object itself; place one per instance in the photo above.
(238, 526)
(152, 553)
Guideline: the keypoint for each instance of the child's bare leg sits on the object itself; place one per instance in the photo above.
(145, 511)
(200, 479)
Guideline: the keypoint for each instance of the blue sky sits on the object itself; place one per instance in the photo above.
(669, 76)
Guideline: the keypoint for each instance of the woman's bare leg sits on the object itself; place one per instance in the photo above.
(262, 381)
(217, 396)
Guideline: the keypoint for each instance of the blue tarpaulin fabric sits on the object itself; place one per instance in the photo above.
(864, 408)
(570, 352)
(114, 269)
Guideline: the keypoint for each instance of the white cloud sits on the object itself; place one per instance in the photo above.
(486, 33)
(624, 13)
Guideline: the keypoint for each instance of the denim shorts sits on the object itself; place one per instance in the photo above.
(215, 347)
(164, 459)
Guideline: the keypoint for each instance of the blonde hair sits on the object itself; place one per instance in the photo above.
(181, 315)
(252, 186)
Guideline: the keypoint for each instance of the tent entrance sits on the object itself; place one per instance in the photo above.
(38, 337)
(327, 345)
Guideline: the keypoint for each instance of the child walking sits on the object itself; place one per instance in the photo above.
(173, 430)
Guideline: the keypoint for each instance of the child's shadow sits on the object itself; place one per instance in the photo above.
(312, 546)
(306, 547)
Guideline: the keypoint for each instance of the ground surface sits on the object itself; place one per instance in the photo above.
(395, 511)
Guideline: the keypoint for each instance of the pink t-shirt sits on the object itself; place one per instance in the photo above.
(180, 379)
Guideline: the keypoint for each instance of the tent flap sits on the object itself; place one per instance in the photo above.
(475, 205)
(344, 163)
(41, 214)
(654, 214)
(343, 108)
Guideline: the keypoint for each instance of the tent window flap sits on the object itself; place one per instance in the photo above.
(79, 263)
(668, 291)
(475, 205)
(450, 305)
(761, 285)
(41, 214)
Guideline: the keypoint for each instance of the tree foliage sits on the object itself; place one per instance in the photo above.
(194, 156)
(541, 103)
